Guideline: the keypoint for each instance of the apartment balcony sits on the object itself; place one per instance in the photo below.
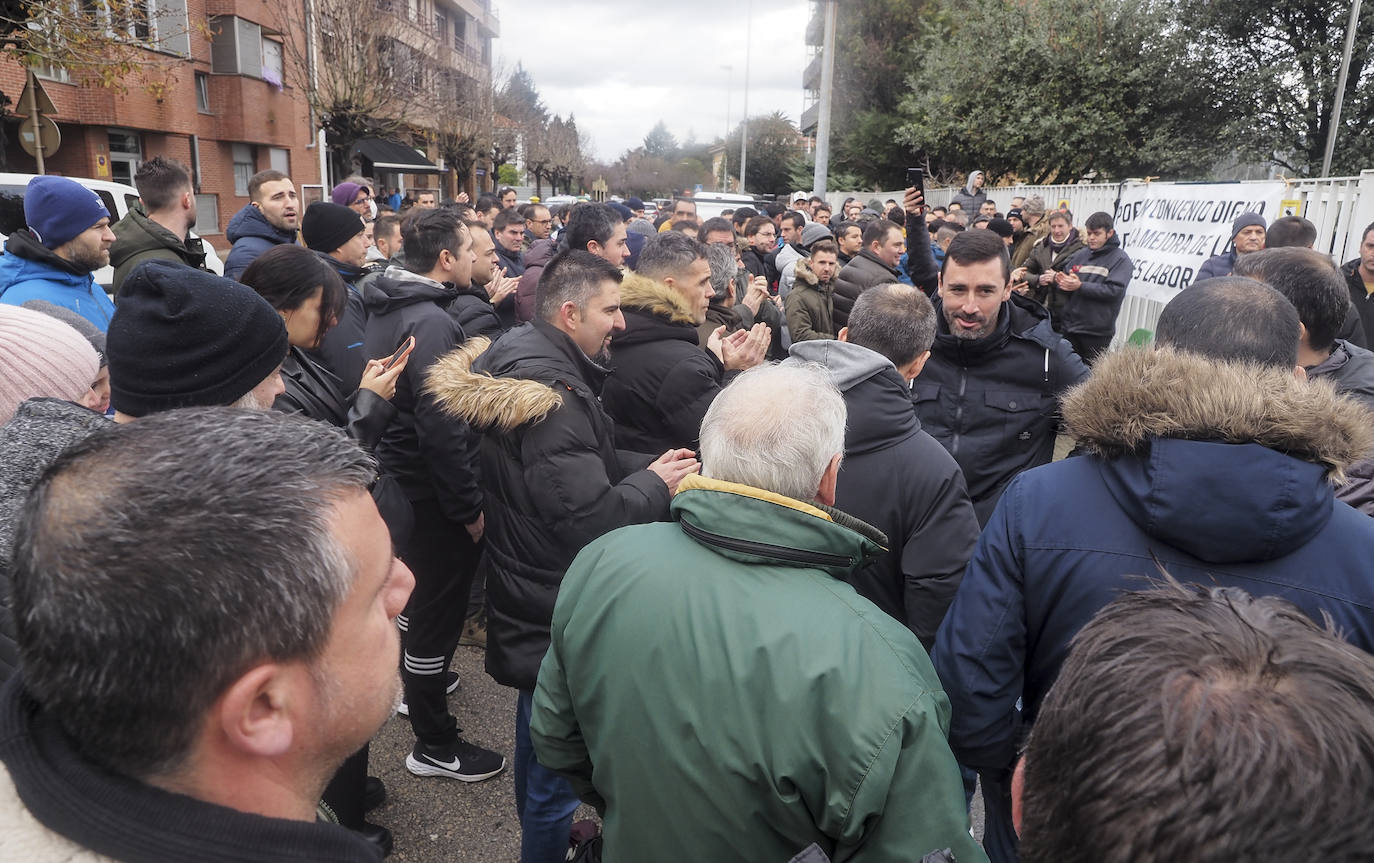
(815, 29)
(811, 78)
(809, 118)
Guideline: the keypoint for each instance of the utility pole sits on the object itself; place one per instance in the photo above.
(744, 128)
(729, 97)
(818, 180)
(1340, 87)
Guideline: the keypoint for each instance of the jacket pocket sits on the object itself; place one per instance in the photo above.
(1020, 413)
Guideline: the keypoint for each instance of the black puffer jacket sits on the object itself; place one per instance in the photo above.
(341, 349)
(1105, 274)
(553, 478)
(473, 311)
(900, 480)
(664, 380)
(431, 454)
(994, 402)
(857, 276)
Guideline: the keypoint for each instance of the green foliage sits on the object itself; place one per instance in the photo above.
(660, 142)
(1055, 91)
(506, 175)
(802, 174)
(1281, 59)
(774, 145)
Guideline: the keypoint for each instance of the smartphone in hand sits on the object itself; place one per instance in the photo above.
(403, 351)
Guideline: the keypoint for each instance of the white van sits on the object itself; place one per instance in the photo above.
(117, 198)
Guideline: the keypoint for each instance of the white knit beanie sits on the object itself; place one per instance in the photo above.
(41, 356)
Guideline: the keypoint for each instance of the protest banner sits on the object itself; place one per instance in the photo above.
(1170, 229)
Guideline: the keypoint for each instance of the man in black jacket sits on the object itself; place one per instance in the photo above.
(1359, 277)
(990, 391)
(897, 477)
(553, 481)
(664, 380)
(876, 264)
(337, 234)
(1092, 287)
(433, 457)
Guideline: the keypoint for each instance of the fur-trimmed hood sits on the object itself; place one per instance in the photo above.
(1137, 395)
(638, 292)
(805, 275)
(482, 401)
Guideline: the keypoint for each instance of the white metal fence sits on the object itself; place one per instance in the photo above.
(1340, 207)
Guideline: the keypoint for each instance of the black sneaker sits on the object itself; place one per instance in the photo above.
(461, 760)
(404, 709)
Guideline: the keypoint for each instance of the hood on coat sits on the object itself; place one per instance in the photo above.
(804, 274)
(1137, 395)
(398, 287)
(136, 233)
(968, 186)
(638, 292)
(250, 222)
(482, 401)
(848, 365)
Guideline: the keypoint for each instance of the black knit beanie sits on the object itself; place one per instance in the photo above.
(181, 337)
(327, 226)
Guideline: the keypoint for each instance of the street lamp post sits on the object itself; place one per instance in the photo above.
(729, 96)
(744, 128)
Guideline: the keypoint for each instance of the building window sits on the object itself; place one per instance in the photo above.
(272, 68)
(460, 29)
(413, 10)
(49, 72)
(202, 93)
(126, 152)
(207, 214)
(243, 168)
(441, 28)
(279, 159)
(236, 47)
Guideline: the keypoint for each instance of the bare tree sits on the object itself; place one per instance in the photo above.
(364, 67)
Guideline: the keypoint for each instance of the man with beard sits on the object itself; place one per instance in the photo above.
(554, 478)
(990, 391)
(762, 236)
(67, 239)
(850, 237)
(810, 308)
(159, 227)
(664, 380)
(271, 218)
(475, 306)
(336, 234)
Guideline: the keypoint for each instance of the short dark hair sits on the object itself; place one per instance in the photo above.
(589, 221)
(1366, 232)
(669, 254)
(948, 231)
(839, 229)
(160, 181)
(434, 192)
(261, 178)
(773, 209)
(1202, 724)
(506, 190)
(1232, 318)
(686, 226)
(1290, 231)
(797, 219)
(287, 275)
(1311, 283)
(715, 224)
(1062, 215)
(821, 206)
(506, 218)
(428, 235)
(575, 276)
(385, 224)
(742, 215)
(486, 203)
(877, 231)
(975, 247)
(896, 321)
(155, 562)
(1100, 221)
(753, 225)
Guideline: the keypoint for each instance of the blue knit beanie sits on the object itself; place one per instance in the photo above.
(57, 209)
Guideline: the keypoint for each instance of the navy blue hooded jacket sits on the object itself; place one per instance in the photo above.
(251, 234)
(1221, 472)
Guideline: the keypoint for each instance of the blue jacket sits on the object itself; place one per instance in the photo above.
(1220, 489)
(30, 271)
(251, 234)
(1219, 265)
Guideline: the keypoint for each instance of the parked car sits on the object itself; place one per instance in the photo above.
(712, 204)
(117, 197)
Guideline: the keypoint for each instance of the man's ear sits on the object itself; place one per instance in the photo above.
(258, 712)
(912, 370)
(826, 493)
(842, 335)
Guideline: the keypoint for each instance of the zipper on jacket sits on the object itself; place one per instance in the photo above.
(764, 549)
(959, 412)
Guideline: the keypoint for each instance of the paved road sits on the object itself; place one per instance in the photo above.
(442, 821)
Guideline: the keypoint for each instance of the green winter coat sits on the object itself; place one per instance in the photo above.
(139, 239)
(718, 692)
(810, 306)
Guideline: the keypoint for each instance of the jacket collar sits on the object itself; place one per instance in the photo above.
(1136, 396)
(123, 818)
(733, 520)
(23, 244)
(637, 292)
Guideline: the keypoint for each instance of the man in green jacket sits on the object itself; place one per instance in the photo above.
(718, 692)
(159, 226)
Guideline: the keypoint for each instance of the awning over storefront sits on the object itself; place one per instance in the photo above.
(394, 156)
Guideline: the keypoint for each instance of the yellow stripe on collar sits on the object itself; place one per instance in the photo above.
(697, 481)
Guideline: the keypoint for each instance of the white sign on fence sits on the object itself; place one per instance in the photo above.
(1169, 230)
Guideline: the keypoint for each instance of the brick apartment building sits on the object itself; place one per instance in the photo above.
(229, 108)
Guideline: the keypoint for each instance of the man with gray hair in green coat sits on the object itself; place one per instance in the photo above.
(718, 692)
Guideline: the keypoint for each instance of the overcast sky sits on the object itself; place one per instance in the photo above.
(620, 67)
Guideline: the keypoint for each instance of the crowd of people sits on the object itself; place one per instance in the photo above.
(758, 515)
